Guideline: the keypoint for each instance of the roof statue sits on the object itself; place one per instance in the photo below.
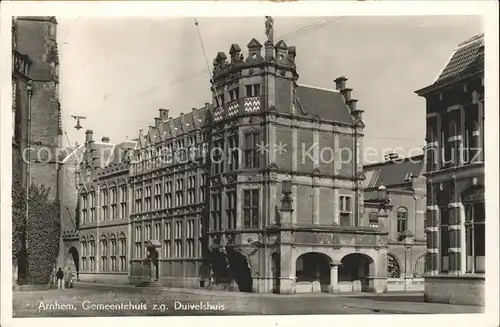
(269, 29)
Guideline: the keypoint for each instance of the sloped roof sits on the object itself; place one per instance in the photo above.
(465, 60)
(186, 123)
(327, 104)
(117, 154)
(393, 172)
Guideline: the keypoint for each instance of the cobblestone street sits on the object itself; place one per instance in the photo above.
(87, 300)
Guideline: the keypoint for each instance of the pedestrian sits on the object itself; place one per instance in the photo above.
(60, 279)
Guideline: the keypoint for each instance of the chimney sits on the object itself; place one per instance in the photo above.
(158, 122)
(89, 136)
(340, 83)
(351, 103)
(346, 93)
(105, 139)
(163, 114)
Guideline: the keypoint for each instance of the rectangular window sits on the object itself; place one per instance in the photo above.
(191, 191)
(402, 220)
(252, 157)
(138, 232)
(233, 149)
(190, 238)
(444, 239)
(179, 192)
(178, 248)
(216, 212)
(345, 210)
(251, 209)
(252, 90)
(475, 237)
(231, 209)
(157, 231)
(168, 249)
(217, 157)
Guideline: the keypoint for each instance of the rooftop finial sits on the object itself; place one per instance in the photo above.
(270, 29)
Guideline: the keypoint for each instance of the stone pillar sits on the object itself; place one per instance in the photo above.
(334, 278)
(287, 270)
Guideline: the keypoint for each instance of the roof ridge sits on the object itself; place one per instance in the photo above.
(477, 37)
(318, 88)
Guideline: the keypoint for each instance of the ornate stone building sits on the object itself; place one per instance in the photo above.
(405, 185)
(259, 191)
(101, 240)
(455, 263)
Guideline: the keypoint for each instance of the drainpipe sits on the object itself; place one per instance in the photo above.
(29, 89)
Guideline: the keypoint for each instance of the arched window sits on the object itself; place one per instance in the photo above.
(123, 252)
(393, 269)
(83, 251)
(91, 244)
(373, 219)
(112, 253)
(104, 253)
(402, 219)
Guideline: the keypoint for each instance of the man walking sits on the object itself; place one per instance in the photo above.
(60, 279)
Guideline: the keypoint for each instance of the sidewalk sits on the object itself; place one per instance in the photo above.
(206, 292)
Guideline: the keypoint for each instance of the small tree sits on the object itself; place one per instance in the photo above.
(43, 231)
(18, 216)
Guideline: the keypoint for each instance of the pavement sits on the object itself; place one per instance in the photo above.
(96, 299)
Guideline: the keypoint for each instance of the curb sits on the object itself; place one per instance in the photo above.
(241, 294)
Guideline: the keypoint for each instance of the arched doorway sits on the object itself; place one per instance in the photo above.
(354, 269)
(74, 261)
(314, 267)
(240, 270)
(219, 267)
(153, 260)
(276, 271)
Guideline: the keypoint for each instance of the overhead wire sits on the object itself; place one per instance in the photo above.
(190, 76)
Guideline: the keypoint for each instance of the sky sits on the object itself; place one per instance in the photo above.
(118, 72)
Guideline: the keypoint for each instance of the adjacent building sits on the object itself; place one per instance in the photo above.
(260, 190)
(36, 123)
(455, 263)
(405, 185)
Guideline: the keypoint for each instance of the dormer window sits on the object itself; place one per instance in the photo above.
(253, 90)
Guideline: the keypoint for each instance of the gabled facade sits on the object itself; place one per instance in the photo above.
(455, 263)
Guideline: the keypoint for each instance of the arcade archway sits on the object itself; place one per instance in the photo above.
(312, 267)
(356, 268)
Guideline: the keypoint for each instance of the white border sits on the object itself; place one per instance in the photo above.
(487, 9)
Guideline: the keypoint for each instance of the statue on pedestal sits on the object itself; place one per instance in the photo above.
(269, 29)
